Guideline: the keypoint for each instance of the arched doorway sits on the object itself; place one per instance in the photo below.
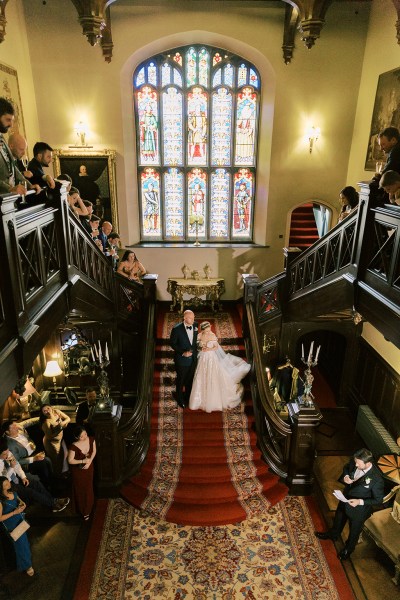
(309, 222)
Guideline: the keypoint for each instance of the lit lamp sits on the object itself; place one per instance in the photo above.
(81, 131)
(313, 135)
(53, 370)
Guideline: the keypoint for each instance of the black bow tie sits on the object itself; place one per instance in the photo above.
(188, 327)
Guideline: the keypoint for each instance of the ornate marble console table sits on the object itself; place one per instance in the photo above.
(212, 289)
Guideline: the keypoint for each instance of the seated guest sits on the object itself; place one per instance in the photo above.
(104, 232)
(76, 203)
(94, 223)
(348, 197)
(11, 508)
(11, 180)
(85, 219)
(86, 408)
(64, 178)
(130, 267)
(80, 458)
(18, 146)
(390, 182)
(42, 157)
(114, 244)
(389, 141)
(53, 423)
(15, 408)
(364, 488)
(27, 486)
(23, 449)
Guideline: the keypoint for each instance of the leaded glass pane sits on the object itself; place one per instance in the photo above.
(191, 67)
(204, 59)
(172, 126)
(219, 206)
(152, 74)
(221, 134)
(150, 186)
(197, 198)
(177, 78)
(196, 139)
(197, 127)
(242, 75)
(173, 203)
(148, 124)
(216, 58)
(242, 203)
(217, 79)
(245, 127)
(165, 74)
(228, 75)
(254, 78)
(140, 78)
(178, 58)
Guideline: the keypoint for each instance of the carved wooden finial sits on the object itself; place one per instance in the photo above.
(91, 15)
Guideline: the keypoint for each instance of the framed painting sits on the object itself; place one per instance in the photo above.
(93, 173)
(9, 89)
(386, 113)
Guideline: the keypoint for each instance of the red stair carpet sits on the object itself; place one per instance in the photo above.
(202, 468)
(303, 229)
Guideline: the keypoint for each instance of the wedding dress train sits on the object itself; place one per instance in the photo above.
(216, 384)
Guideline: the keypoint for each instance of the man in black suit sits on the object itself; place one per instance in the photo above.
(85, 410)
(184, 342)
(42, 157)
(364, 489)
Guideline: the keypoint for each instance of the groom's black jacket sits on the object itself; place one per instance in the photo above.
(180, 342)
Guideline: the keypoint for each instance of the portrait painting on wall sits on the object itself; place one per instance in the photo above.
(9, 89)
(93, 174)
(386, 113)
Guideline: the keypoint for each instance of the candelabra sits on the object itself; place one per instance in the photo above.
(307, 398)
(196, 220)
(102, 360)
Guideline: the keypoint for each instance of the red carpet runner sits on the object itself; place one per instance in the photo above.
(201, 469)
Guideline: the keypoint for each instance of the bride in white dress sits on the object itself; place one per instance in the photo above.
(216, 384)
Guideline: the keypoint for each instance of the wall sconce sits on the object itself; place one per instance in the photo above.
(81, 131)
(313, 135)
(268, 343)
(53, 370)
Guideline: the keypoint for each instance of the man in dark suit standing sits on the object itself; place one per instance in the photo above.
(364, 489)
(184, 342)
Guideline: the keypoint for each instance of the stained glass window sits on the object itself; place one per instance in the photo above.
(196, 111)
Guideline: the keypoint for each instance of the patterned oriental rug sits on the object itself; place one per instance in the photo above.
(202, 468)
(272, 556)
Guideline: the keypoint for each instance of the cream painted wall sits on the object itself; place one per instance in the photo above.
(14, 52)
(382, 53)
(72, 81)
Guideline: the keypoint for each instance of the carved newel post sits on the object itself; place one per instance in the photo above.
(305, 420)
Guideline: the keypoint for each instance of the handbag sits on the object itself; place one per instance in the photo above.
(19, 530)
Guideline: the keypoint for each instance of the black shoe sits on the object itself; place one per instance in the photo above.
(325, 535)
(343, 554)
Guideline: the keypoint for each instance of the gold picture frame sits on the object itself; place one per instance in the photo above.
(93, 173)
(9, 89)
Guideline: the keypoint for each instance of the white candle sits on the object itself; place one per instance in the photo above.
(91, 351)
(100, 354)
(310, 353)
(316, 356)
(302, 351)
(95, 349)
(107, 357)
